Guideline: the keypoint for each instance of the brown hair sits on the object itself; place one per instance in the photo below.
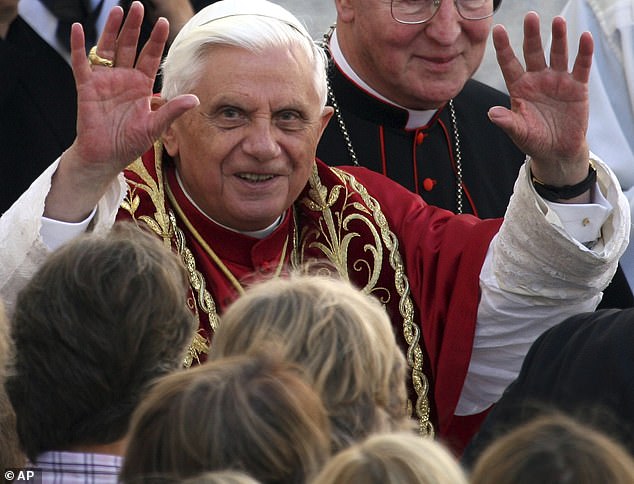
(252, 413)
(554, 448)
(10, 453)
(100, 320)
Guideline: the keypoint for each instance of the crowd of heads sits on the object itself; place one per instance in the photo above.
(303, 367)
(305, 383)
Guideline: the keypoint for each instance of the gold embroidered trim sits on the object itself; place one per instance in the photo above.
(198, 345)
(159, 224)
(163, 223)
(196, 280)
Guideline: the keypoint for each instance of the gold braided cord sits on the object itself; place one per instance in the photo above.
(196, 280)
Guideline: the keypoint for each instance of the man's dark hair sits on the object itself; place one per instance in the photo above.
(102, 318)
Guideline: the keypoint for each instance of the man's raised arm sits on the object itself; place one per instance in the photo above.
(116, 121)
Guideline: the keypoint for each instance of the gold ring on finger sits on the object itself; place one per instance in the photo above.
(95, 60)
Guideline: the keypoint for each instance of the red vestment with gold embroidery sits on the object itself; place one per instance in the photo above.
(422, 262)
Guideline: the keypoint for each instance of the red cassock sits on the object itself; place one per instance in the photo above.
(422, 262)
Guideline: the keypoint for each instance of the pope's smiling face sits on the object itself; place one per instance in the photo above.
(246, 152)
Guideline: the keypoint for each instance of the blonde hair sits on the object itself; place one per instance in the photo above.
(401, 457)
(340, 335)
(220, 477)
(554, 448)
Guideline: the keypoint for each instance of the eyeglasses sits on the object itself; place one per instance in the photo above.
(421, 11)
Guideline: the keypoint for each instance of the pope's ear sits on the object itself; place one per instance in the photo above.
(169, 143)
(325, 118)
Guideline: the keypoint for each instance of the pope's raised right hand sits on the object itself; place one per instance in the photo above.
(118, 118)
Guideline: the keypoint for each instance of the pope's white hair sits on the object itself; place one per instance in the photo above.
(186, 60)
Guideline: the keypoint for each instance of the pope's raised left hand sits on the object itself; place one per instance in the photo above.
(548, 118)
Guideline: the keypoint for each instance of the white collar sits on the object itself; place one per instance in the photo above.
(257, 234)
(416, 118)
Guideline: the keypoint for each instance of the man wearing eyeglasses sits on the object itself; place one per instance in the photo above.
(406, 105)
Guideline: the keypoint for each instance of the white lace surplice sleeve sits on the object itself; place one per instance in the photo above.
(536, 274)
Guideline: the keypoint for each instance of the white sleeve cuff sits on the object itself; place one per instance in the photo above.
(55, 233)
(582, 222)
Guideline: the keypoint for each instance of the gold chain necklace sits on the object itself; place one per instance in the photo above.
(207, 248)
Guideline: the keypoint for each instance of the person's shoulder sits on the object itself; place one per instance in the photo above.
(601, 327)
(604, 335)
(377, 184)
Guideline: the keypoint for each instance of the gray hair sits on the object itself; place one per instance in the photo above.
(183, 66)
